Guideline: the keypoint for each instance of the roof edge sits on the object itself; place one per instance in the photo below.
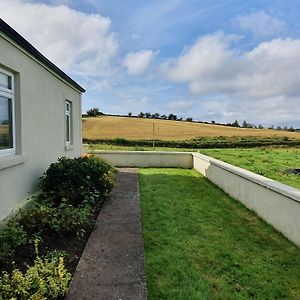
(22, 42)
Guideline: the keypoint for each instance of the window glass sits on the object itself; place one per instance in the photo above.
(5, 81)
(6, 131)
(68, 122)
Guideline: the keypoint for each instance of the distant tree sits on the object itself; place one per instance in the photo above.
(236, 124)
(93, 112)
(172, 117)
(189, 119)
(213, 122)
(147, 115)
(285, 128)
(260, 126)
(291, 129)
(245, 124)
(271, 127)
(278, 128)
(129, 114)
(141, 115)
(164, 117)
(155, 116)
(179, 119)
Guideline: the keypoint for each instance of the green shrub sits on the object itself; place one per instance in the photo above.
(80, 180)
(46, 279)
(64, 219)
(11, 238)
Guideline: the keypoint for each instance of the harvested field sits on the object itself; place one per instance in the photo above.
(109, 127)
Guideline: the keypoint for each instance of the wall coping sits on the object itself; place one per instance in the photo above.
(140, 152)
(268, 183)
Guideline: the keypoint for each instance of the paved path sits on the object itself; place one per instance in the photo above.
(112, 264)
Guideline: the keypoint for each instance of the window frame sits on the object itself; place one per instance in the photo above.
(68, 113)
(9, 94)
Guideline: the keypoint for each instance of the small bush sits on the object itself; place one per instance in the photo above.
(78, 181)
(11, 238)
(46, 279)
(64, 219)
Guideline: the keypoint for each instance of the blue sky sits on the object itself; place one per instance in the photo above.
(210, 60)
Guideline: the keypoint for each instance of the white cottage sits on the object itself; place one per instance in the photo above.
(40, 117)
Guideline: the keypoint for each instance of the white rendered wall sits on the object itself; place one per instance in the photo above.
(39, 97)
(147, 159)
(276, 203)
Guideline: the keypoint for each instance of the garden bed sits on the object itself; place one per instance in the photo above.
(41, 246)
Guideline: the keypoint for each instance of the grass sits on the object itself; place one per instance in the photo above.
(270, 162)
(201, 244)
(109, 127)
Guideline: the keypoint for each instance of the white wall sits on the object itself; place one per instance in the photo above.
(40, 125)
(276, 203)
(147, 159)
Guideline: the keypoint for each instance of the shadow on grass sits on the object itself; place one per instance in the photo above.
(202, 244)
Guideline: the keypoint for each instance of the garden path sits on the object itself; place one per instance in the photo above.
(112, 264)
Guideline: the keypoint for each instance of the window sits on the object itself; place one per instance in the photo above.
(68, 122)
(7, 114)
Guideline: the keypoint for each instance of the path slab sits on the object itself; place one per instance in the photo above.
(112, 265)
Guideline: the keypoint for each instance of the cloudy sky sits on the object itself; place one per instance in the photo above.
(211, 60)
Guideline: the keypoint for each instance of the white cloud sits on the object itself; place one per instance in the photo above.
(213, 66)
(260, 24)
(75, 41)
(264, 81)
(137, 62)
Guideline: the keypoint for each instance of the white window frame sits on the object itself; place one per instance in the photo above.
(10, 94)
(69, 114)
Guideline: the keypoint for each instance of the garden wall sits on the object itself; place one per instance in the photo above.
(147, 159)
(276, 203)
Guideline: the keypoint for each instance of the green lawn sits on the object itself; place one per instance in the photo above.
(269, 162)
(202, 244)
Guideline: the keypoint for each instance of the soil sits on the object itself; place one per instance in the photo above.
(71, 245)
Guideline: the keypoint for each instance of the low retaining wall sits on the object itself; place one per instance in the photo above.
(276, 203)
(147, 159)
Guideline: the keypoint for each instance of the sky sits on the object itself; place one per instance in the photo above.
(218, 60)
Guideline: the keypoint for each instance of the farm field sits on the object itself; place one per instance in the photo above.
(110, 127)
(202, 244)
(270, 162)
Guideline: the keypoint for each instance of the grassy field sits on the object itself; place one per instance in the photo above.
(108, 127)
(269, 162)
(201, 244)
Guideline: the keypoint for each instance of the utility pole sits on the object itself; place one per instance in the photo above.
(153, 136)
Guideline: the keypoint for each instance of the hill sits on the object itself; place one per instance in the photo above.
(110, 127)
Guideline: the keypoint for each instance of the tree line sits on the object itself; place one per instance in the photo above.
(93, 112)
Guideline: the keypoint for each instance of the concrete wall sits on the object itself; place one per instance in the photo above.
(39, 98)
(276, 203)
(147, 159)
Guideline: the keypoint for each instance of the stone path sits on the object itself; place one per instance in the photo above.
(112, 264)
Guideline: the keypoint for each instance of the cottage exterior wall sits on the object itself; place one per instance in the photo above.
(40, 125)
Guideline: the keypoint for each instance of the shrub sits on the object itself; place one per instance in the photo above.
(65, 219)
(46, 279)
(11, 238)
(79, 180)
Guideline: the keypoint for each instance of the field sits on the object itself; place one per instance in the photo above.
(270, 162)
(202, 244)
(108, 127)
